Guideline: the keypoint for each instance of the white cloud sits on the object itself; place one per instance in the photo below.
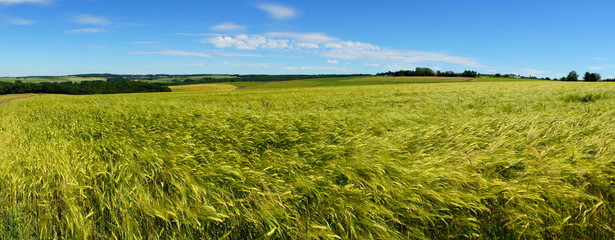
(308, 45)
(358, 50)
(254, 42)
(533, 72)
(599, 58)
(19, 21)
(86, 30)
(217, 64)
(228, 27)
(372, 64)
(333, 45)
(333, 61)
(11, 2)
(343, 69)
(350, 44)
(325, 46)
(91, 20)
(246, 42)
(175, 53)
(304, 37)
(277, 11)
(397, 67)
(597, 68)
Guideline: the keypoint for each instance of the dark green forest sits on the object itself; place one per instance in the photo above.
(82, 88)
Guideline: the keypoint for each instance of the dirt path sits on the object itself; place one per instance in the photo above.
(7, 99)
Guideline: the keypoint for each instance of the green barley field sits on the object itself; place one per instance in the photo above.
(458, 160)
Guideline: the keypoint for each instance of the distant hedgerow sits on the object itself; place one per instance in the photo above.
(82, 88)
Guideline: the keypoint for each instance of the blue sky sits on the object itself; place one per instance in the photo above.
(540, 38)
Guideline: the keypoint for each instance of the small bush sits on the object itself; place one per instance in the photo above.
(586, 97)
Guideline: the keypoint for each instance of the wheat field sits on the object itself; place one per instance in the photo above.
(510, 160)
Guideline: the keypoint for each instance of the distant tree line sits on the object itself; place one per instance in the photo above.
(138, 83)
(257, 78)
(418, 72)
(425, 72)
(83, 88)
(127, 76)
(273, 78)
(205, 78)
(136, 76)
(588, 77)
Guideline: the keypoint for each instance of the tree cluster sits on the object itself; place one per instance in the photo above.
(420, 72)
(588, 77)
(591, 77)
(468, 73)
(417, 72)
(82, 88)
